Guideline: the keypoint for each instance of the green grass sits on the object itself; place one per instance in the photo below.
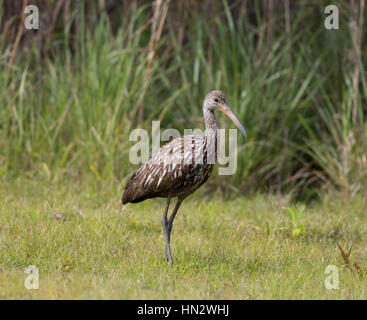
(65, 121)
(238, 249)
(71, 112)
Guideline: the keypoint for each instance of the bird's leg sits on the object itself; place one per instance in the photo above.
(169, 225)
(172, 217)
(165, 226)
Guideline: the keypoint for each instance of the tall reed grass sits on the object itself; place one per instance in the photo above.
(69, 115)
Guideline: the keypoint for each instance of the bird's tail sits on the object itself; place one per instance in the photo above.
(131, 193)
(127, 195)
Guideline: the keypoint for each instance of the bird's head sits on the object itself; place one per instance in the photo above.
(217, 100)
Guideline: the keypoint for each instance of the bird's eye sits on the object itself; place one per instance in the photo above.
(216, 100)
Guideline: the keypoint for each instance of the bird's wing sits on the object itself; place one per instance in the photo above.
(167, 170)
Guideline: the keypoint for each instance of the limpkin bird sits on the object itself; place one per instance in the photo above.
(181, 166)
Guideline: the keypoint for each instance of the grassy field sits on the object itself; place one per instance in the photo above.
(93, 248)
(72, 93)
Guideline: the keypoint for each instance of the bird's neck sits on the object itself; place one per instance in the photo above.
(211, 127)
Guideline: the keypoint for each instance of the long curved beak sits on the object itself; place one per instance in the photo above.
(225, 109)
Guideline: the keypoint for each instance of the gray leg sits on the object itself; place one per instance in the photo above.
(165, 227)
(173, 215)
(169, 226)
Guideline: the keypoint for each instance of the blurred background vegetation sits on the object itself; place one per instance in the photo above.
(72, 91)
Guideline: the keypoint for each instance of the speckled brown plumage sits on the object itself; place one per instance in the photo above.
(175, 170)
